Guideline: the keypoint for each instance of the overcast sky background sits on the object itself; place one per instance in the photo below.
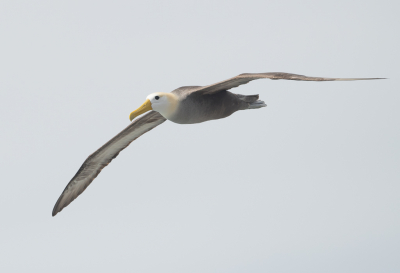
(309, 184)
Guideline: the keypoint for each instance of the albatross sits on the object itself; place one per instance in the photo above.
(185, 105)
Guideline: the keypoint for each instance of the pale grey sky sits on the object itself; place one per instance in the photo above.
(310, 183)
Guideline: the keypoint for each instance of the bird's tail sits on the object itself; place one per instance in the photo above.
(252, 101)
(256, 104)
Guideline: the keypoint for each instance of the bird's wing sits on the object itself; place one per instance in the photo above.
(103, 156)
(247, 77)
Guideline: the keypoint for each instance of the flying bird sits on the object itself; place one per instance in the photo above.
(185, 105)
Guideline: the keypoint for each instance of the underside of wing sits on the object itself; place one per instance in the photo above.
(247, 77)
(103, 156)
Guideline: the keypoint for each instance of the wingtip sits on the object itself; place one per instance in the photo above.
(54, 212)
(56, 208)
(358, 79)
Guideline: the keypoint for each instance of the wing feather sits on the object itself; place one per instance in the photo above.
(248, 77)
(103, 156)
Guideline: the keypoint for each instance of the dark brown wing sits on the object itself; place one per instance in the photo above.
(247, 77)
(103, 156)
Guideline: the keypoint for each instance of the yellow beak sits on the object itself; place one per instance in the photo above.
(146, 106)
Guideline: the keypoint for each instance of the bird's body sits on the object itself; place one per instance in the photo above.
(185, 105)
(195, 107)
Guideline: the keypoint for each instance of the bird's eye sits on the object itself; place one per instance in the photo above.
(156, 97)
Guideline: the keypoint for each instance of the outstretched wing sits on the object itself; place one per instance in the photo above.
(247, 77)
(103, 156)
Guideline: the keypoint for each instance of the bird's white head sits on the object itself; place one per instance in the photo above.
(164, 103)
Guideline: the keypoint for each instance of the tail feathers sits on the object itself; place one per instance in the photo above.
(257, 104)
(250, 99)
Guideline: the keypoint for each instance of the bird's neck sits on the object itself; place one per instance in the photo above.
(169, 109)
